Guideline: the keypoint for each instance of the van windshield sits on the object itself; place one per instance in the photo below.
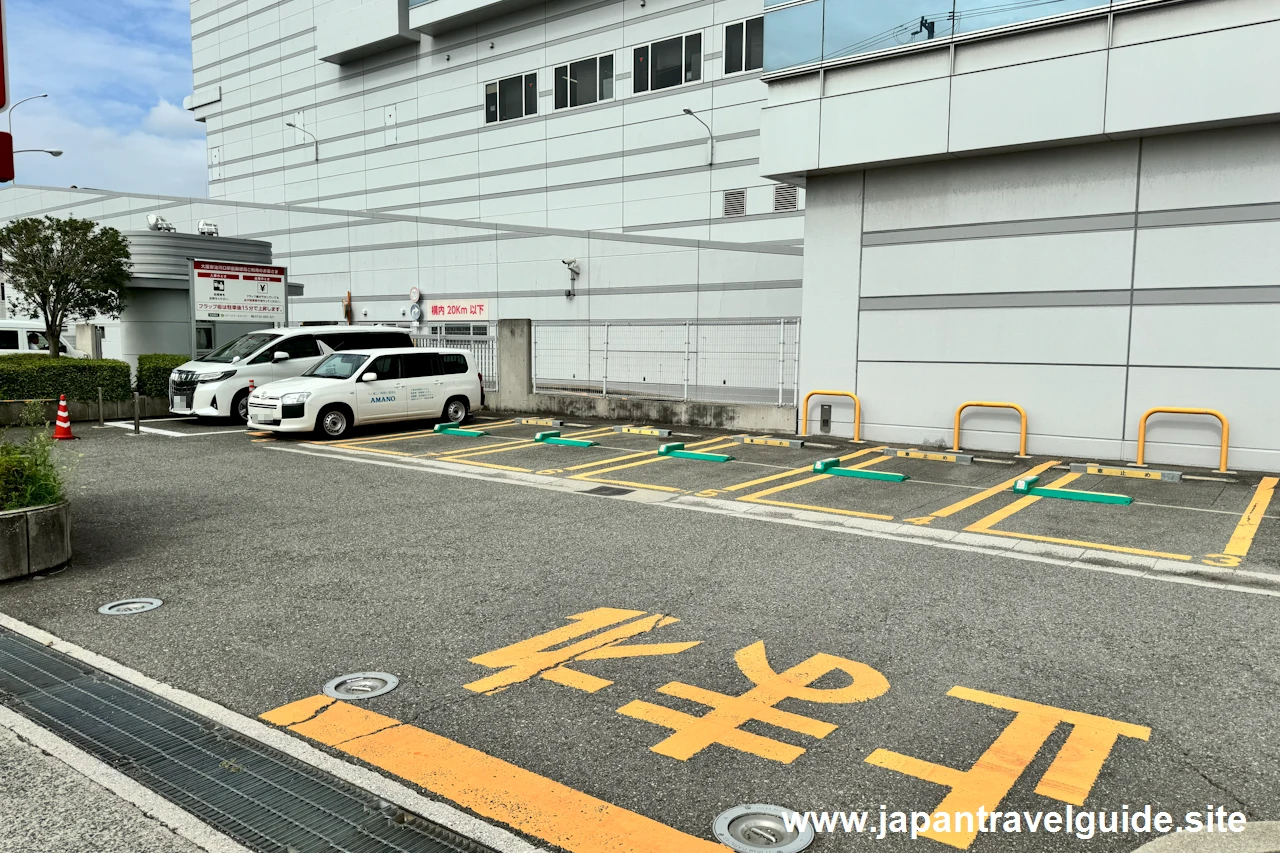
(340, 365)
(243, 346)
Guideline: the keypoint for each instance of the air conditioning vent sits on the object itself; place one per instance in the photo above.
(735, 202)
(784, 197)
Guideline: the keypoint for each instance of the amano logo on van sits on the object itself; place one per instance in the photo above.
(387, 398)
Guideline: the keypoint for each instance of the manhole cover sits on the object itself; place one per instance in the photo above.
(756, 827)
(361, 685)
(130, 606)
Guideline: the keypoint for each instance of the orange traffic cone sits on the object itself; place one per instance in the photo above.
(62, 429)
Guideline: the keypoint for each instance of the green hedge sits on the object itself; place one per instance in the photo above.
(32, 376)
(154, 370)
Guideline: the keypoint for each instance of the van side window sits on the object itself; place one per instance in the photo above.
(453, 362)
(386, 366)
(421, 364)
(8, 338)
(298, 346)
(385, 340)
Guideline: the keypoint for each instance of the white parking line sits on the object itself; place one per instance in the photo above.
(173, 433)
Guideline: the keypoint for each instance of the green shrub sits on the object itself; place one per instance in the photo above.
(33, 376)
(28, 474)
(154, 370)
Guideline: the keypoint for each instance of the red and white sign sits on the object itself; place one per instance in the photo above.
(457, 309)
(238, 293)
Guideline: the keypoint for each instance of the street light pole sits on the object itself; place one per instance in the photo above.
(711, 160)
(52, 152)
(20, 103)
(314, 142)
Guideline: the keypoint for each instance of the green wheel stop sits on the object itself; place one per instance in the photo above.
(1028, 487)
(832, 467)
(553, 437)
(452, 429)
(676, 451)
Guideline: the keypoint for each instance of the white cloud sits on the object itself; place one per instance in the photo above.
(110, 159)
(166, 119)
(115, 74)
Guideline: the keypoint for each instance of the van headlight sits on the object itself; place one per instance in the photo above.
(294, 398)
(220, 375)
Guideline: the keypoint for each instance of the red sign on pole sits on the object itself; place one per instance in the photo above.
(6, 157)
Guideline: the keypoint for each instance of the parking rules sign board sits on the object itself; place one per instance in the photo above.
(234, 292)
(457, 309)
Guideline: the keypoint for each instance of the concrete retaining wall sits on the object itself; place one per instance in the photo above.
(515, 366)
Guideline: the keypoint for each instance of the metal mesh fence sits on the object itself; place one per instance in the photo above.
(748, 361)
(484, 349)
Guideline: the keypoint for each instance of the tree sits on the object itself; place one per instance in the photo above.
(65, 269)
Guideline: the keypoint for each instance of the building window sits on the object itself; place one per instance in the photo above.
(667, 63)
(744, 46)
(584, 82)
(784, 197)
(514, 97)
(735, 202)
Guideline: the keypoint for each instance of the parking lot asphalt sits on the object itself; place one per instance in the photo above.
(284, 563)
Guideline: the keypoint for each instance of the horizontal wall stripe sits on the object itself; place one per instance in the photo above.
(695, 223)
(1021, 228)
(600, 182)
(573, 161)
(163, 201)
(1119, 365)
(263, 46)
(1031, 299)
(1229, 295)
(1179, 218)
(719, 287)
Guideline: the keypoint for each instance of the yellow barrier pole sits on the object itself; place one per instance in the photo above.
(857, 411)
(1173, 410)
(1022, 437)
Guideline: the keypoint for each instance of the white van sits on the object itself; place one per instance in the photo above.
(217, 384)
(351, 388)
(29, 336)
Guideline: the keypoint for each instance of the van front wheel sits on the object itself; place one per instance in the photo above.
(456, 411)
(334, 422)
(240, 407)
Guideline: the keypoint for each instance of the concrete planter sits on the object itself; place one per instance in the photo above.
(34, 539)
(148, 407)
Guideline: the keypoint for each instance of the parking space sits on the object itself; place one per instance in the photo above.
(1205, 517)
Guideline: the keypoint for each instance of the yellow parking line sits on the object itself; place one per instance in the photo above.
(561, 816)
(985, 525)
(759, 497)
(715, 444)
(991, 492)
(422, 433)
(1242, 538)
(345, 446)
(795, 471)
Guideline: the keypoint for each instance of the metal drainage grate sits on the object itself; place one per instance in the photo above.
(608, 491)
(760, 827)
(262, 798)
(130, 606)
(361, 685)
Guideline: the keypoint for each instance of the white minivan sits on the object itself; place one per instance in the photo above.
(351, 388)
(217, 384)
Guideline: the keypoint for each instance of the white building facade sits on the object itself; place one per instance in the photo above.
(1065, 204)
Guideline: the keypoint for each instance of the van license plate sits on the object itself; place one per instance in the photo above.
(179, 402)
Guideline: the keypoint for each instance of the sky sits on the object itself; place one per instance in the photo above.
(116, 73)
